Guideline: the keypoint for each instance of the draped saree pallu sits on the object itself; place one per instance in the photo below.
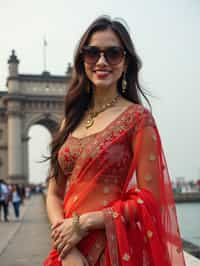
(122, 171)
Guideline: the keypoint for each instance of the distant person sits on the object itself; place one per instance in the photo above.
(22, 192)
(109, 199)
(4, 199)
(16, 200)
(27, 192)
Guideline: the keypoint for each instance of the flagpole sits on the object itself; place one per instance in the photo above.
(45, 54)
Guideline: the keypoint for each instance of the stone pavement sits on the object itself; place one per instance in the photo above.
(25, 242)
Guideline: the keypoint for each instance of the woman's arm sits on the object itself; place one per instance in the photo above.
(55, 194)
(92, 220)
(54, 200)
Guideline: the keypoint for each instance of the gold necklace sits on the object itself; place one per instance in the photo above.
(92, 115)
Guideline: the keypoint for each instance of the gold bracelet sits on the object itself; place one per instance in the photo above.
(76, 223)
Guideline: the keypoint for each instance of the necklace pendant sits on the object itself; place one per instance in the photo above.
(89, 123)
(93, 115)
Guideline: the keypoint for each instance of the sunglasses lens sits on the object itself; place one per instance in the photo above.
(114, 55)
(91, 54)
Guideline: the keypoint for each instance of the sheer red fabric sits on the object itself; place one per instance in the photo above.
(123, 172)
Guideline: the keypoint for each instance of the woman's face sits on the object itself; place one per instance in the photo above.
(102, 73)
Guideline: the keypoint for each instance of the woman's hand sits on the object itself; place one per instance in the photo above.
(65, 237)
(74, 258)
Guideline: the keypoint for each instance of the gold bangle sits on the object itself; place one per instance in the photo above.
(76, 223)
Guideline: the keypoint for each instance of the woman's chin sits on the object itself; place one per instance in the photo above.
(103, 85)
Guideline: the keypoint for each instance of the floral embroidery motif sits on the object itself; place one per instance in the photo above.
(149, 234)
(115, 214)
(154, 137)
(137, 190)
(75, 198)
(97, 245)
(106, 190)
(152, 157)
(148, 178)
(104, 202)
(126, 257)
(140, 201)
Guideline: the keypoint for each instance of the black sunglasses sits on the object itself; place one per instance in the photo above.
(113, 54)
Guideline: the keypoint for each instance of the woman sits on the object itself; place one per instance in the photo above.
(16, 200)
(108, 165)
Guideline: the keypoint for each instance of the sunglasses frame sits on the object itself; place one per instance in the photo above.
(104, 51)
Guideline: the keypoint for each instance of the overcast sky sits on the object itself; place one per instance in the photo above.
(167, 38)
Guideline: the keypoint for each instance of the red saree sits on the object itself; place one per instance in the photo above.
(122, 171)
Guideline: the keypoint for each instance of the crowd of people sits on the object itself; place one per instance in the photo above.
(13, 195)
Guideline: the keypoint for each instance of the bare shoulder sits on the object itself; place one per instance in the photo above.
(136, 107)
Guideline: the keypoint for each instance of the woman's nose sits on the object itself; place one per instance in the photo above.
(102, 59)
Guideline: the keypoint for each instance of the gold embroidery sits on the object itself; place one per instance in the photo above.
(97, 245)
(148, 178)
(75, 198)
(106, 190)
(104, 202)
(154, 137)
(140, 201)
(149, 234)
(115, 214)
(137, 190)
(126, 257)
(152, 157)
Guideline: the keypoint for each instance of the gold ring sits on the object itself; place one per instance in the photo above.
(59, 246)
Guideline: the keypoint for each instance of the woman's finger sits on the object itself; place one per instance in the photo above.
(64, 251)
(56, 224)
(55, 234)
(85, 261)
(60, 247)
(58, 241)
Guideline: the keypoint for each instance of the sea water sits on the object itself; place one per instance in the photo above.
(189, 221)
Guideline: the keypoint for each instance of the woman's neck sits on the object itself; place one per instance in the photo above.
(102, 96)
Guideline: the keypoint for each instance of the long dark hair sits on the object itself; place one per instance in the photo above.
(80, 93)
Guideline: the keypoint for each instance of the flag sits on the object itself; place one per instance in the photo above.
(45, 42)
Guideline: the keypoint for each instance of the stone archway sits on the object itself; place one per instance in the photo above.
(30, 99)
(50, 123)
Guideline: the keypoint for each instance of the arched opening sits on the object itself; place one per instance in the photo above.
(40, 137)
